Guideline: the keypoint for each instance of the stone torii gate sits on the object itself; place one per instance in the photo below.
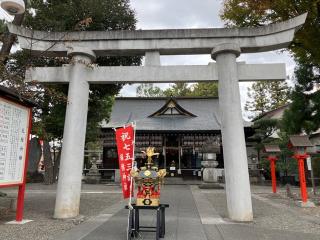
(224, 45)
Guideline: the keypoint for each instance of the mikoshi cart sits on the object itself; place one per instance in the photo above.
(134, 227)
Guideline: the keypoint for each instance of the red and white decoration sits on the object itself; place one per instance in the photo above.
(125, 143)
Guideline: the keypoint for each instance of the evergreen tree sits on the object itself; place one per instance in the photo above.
(303, 114)
(178, 90)
(68, 15)
(149, 90)
(205, 89)
(202, 89)
(265, 96)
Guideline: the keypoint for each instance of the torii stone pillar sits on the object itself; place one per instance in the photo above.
(70, 173)
(233, 139)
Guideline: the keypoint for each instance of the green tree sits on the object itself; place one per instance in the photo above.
(149, 90)
(265, 96)
(79, 15)
(205, 89)
(202, 89)
(253, 13)
(68, 15)
(264, 129)
(178, 89)
(303, 112)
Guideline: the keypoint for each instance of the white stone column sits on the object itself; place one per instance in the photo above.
(152, 59)
(234, 149)
(72, 155)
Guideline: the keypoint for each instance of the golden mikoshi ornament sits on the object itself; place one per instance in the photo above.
(148, 178)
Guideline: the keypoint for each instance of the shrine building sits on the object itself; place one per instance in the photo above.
(176, 127)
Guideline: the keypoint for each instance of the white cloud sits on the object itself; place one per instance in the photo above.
(170, 14)
(158, 14)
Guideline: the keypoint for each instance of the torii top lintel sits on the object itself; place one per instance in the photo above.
(166, 42)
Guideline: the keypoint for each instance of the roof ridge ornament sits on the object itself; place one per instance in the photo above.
(172, 108)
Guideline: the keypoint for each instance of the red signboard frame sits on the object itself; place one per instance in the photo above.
(22, 185)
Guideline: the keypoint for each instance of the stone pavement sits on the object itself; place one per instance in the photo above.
(39, 205)
(193, 214)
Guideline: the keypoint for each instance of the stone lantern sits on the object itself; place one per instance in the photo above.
(93, 176)
(299, 145)
(210, 173)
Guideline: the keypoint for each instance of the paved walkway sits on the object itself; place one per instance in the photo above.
(190, 216)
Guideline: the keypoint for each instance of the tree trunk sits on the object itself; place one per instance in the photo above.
(48, 165)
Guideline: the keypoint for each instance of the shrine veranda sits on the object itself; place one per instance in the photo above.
(224, 45)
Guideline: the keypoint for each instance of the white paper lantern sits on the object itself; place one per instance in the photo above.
(13, 7)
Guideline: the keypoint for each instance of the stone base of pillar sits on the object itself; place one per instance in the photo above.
(307, 204)
(205, 185)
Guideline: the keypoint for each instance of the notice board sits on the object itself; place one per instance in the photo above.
(14, 124)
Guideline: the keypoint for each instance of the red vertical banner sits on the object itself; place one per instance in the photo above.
(125, 145)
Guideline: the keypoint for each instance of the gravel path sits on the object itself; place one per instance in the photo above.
(267, 216)
(39, 205)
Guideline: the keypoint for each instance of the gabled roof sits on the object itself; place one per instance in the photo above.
(273, 114)
(300, 141)
(137, 109)
(172, 108)
(271, 148)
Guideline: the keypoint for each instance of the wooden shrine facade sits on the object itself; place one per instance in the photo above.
(176, 127)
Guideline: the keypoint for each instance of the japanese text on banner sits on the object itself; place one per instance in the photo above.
(125, 145)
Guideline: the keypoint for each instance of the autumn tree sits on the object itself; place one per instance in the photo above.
(303, 112)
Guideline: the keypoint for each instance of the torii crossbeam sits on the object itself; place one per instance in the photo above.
(224, 45)
(157, 74)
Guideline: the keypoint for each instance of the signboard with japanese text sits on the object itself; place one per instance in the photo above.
(14, 124)
(125, 145)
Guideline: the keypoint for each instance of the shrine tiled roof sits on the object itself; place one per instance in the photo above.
(205, 113)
